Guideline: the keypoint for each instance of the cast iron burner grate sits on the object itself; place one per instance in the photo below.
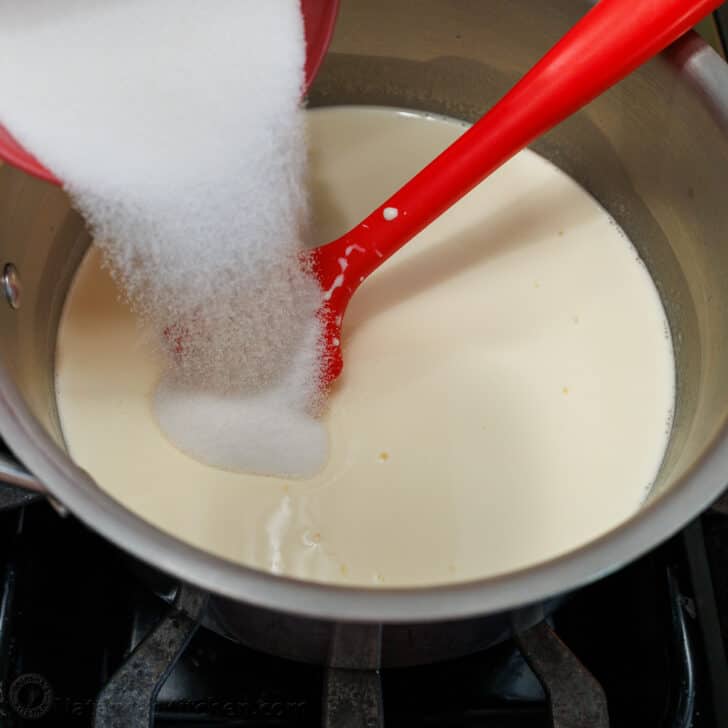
(351, 698)
(83, 643)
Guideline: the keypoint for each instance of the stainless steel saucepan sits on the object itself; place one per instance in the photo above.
(653, 151)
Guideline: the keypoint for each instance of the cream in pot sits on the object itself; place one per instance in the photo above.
(507, 395)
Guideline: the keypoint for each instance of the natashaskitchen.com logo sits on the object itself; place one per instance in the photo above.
(31, 697)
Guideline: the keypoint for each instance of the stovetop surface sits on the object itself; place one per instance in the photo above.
(71, 611)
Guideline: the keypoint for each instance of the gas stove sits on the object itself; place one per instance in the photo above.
(83, 642)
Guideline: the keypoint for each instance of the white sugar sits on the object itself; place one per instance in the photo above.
(177, 129)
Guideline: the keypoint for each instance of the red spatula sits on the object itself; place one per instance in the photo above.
(609, 42)
(319, 18)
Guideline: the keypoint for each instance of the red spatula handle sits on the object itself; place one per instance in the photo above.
(609, 42)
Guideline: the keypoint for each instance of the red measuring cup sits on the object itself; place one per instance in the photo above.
(319, 18)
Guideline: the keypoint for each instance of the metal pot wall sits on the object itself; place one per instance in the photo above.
(653, 151)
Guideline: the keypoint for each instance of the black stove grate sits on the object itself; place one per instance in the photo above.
(72, 612)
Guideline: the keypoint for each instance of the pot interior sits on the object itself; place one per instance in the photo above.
(653, 151)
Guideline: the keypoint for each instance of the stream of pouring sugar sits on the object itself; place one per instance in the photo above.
(177, 129)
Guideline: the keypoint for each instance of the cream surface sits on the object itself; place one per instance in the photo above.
(506, 396)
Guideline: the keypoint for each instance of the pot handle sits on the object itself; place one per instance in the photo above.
(14, 474)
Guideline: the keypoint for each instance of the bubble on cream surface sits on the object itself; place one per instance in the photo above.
(176, 127)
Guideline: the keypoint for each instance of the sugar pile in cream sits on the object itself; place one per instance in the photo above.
(508, 379)
(176, 127)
